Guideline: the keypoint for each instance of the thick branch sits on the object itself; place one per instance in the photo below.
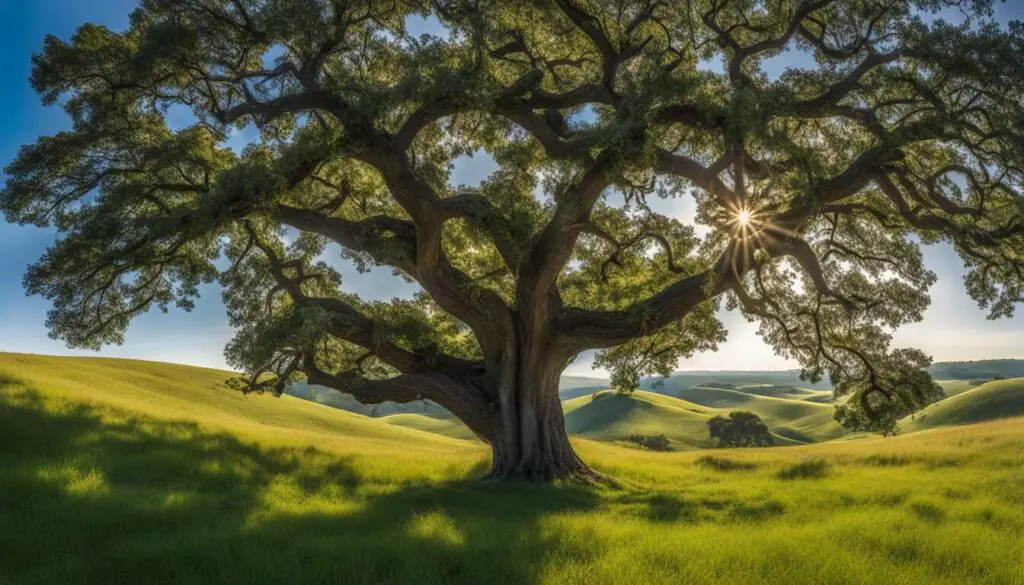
(469, 403)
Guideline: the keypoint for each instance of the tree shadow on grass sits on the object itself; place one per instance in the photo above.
(93, 495)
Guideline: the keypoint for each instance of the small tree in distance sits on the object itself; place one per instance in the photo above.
(740, 429)
(658, 442)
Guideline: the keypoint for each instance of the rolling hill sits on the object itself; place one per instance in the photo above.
(198, 395)
(992, 400)
(977, 370)
(613, 417)
(570, 387)
(718, 389)
(684, 420)
(443, 424)
(794, 393)
(118, 471)
(808, 418)
(729, 378)
(794, 414)
(954, 387)
(342, 401)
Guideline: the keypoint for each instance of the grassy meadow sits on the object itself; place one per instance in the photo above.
(116, 471)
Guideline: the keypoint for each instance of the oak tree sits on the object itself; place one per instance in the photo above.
(740, 429)
(814, 189)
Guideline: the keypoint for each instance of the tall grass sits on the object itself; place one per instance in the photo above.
(95, 489)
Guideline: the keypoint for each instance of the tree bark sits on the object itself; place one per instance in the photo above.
(531, 442)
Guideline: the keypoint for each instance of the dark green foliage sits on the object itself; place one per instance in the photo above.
(809, 469)
(880, 460)
(740, 429)
(928, 511)
(725, 464)
(658, 442)
(878, 407)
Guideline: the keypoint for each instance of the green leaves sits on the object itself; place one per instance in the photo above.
(659, 354)
(740, 429)
(885, 390)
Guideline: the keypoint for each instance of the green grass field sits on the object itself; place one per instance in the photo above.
(134, 472)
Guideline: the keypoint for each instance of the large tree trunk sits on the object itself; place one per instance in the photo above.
(530, 440)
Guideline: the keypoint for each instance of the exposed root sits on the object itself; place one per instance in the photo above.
(575, 472)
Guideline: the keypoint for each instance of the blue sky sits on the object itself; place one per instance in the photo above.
(954, 328)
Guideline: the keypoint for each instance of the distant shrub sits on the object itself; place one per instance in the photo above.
(938, 462)
(724, 463)
(928, 511)
(740, 429)
(808, 469)
(657, 442)
(887, 460)
(758, 511)
(720, 385)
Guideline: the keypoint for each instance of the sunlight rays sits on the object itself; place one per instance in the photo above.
(743, 217)
(744, 221)
(751, 229)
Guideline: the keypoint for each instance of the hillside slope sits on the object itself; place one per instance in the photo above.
(104, 478)
(690, 379)
(198, 395)
(340, 400)
(981, 369)
(794, 393)
(798, 419)
(443, 424)
(613, 417)
(992, 400)
(570, 387)
(954, 387)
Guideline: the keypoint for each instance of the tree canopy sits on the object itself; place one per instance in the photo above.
(814, 190)
(740, 429)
